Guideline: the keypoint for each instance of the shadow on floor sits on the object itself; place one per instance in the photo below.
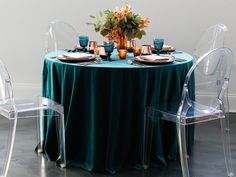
(206, 161)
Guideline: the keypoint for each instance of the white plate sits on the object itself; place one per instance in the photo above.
(154, 59)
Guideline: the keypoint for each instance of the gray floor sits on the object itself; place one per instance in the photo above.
(207, 159)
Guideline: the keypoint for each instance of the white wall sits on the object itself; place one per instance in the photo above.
(180, 22)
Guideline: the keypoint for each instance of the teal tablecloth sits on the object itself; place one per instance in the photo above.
(104, 110)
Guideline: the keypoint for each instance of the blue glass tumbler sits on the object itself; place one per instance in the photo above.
(109, 47)
(158, 44)
(83, 42)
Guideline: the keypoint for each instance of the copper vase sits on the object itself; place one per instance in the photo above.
(121, 41)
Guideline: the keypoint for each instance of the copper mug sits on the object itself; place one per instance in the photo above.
(92, 46)
(130, 45)
(102, 51)
(146, 50)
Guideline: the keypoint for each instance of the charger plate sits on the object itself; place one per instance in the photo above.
(76, 57)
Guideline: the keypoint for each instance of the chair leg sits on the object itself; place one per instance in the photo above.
(182, 149)
(147, 138)
(61, 139)
(226, 145)
(40, 137)
(11, 140)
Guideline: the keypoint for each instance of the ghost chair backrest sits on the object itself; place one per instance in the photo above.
(60, 36)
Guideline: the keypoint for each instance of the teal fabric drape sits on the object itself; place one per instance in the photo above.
(104, 110)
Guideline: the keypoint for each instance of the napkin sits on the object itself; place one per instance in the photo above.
(155, 58)
(167, 47)
(77, 56)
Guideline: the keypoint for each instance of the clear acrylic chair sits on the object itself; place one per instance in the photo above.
(214, 37)
(60, 36)
(12, 109)
(196, 110)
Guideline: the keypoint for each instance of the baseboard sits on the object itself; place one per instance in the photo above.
(232, 100)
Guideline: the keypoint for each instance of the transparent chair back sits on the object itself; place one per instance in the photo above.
(60, 36)
(7, 124)
(212, 38)
(210, 80)
(12, 109)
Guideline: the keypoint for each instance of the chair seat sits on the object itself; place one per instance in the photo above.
(22, 106)
(200, 113)
(195, 113)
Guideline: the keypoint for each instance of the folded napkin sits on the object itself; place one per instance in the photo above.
(77, 56)
(166, 47)
(155, 58)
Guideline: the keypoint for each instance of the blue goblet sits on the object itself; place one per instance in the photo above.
(109, 47)
(158, 45)
(83, 41)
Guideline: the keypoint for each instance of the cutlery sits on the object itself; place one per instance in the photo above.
(130, 62)
(98, 61)
(53, 57)
(179, 59)
(177, 52)
(72, 50)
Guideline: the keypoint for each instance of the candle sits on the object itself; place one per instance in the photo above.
(122, 53)
(136, 51)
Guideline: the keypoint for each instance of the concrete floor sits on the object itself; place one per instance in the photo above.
(206, 161)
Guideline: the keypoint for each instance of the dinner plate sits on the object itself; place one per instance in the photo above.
(154, 59)
(76, 57)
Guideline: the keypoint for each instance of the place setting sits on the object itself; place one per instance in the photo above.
(84, 53)
(146, 55)
(156, 54)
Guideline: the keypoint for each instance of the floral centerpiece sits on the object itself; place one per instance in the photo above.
(120, 25)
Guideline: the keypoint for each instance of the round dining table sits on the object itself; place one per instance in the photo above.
(104, 106)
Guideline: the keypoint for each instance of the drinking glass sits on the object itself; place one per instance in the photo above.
(109, 47)
(92, 46)
(83, 41)
(131, 44)
(158, 44)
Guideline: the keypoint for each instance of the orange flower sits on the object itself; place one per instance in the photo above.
(116, 12)
(144, 22)
(125, 9)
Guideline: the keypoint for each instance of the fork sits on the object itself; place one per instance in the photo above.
(98, 61)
